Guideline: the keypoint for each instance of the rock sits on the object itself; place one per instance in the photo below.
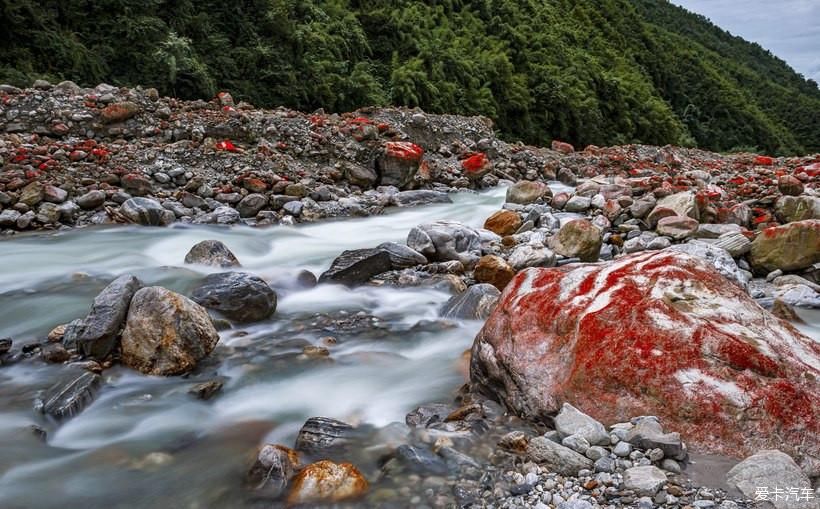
(357, 266)
(212, 253)
(527, 256)
(736, 244)
(54, 353)
(146, 212)
(206, 390)
(272, 470)
(648, 434)
(325, 481)
(770, 469)
(91, 200)
(578, 203)
(401, 256)
(360, 176)
(420, 460)
(443, 241)
(70, 396)
(474, 304)
(321, 434)
(789, 209)
(221, 215)
(250, 205)
(119, 112)
(719, 258)
(677, 227)
(660, 323)
(790, 185)
(493, 270)
(8, 218)
(556, 457)
(645, 480)
(683, 204)
(578, 238)
(293, 208)
(32, 194)
(793, 246)
(48, 213)
(136, 184)
(5, 345)
(419, 197)
(563, 147)
(54, 194)
(425, 415)
(525, 191)
(503, 222)
(239, 296)
(476, 166)
(571, 421)
(98, 334)
(399, 163)
(166, 333)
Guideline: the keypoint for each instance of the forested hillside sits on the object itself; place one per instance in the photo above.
(588, 71)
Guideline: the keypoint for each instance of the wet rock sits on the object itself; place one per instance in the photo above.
(166, 333)
(420, 460)
(239, 296)
(425, 415)
(789, 247)
(146, 212)
(503, 222)
(708, 351)
(206, 390)
(443, 241)
(771, 469)
(213, 253)
(401, 256)
(644, 480)
(556, 457)
(419, 197)
(272, 470)
(357, 266)
(69, 396)
(325, 481)
(474, 304)
(493, 270)
(97, 335)
(321, 434)
(5, 345)
(399, 163)
(525, 191)
(578, 238)
(571, 421)
(54, 353)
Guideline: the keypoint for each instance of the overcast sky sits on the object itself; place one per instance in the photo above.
(788, 28)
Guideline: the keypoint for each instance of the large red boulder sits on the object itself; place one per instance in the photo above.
(658, 333)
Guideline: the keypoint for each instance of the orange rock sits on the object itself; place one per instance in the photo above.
(503, 222)
(326, 481)
(494, 270)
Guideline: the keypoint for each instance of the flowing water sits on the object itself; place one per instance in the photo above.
(145, 442)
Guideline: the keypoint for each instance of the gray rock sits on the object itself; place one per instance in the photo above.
(578, 204)
(91, 200)
(250, 205)
(526, 191)
(48, 213)
(213, 253)
(146, 212)
(684, 204)
(476, 303)
(556, 457)
(442, 241)
(420, 460)
(166, 333)
(239, 296)
(293, 208)
(622, 449)
(428, 414)
(320, 435)
(719, 258)
(270, 473)
(357, 266)
(419, 197)
(736, 244)
(645, 480)
(527, 256)
(401, 256)
(70, 396)
(577, 443)
(771, 469)
(648, 434)
(714, 231)
(8, 218)
(671, 465)
(571, 421)
(575, 504)
(98, 334)
(222, 215)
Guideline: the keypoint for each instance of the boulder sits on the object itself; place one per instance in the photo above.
(677, 227)
(770, 469)
(571, 421)
(32, 194)
(357, 266)
(493, 270)
(325, 481)
(443, 241)
(251, 204)
(647, 434)
(556, 457)
(578, 238)
(166, 333)
(399, 163)
(656, 333)
(401, 256)
(503, 222)
(476, 166)
(797, 208)
(790, 185)
(212, 253)
(91, 200)
(644, 480)
(524, 192)
(146, 212)
(119, 112)
(793, 246)
(683, 204)
(475, 303)
(578, 203)
(239, 296)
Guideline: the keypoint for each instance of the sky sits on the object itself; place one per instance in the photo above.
(788, 28)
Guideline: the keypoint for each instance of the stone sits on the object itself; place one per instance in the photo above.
(577, 443)
(357, 266)
(119, 112)
(212, 253)
(250, 205)
(578, 238)
(5, 345)
(527, 256)
(645, 480)
(677, 227)
(789, 209)
(524, 192)
(69, 396)
(443, 241)
(647, 434)
(719, 258)
(136, 184)
(503, 222)
(32, 194)
(420, 460)
(790, 185)
(319, 435)
(206, 390)
(399, 163)
(476, 166)
(790, 247)
(683, 204)
(221, 215)
(53, 194)
(606, 336)
(91, 200)
(564, 148)
(401, 256)
(556, 457)
(98, 335)
(571, 421)
(575, 504)
(361, 176)
(425, 415)
(8, 218)
(578, 203)
(419, 197)
(146, 212)
(274, 467)
(48, 213)
(476, 303)
(325, 481)
(772, 469)
(166, 333)
(736, 244)
(239, 296)
(493, 270)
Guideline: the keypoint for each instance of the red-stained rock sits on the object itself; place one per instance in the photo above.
(563, 147)
(404, 150)
(476, 166)
(119, 112)
(325, 481)
(226, 145)
(658, 333)
(399, 163)
(764, 160)
(137, 185)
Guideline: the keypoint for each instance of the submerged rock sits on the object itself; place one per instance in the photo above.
(239, 296)
(213, 253)
(476, 303)
(357, 266)
(272, 470)
(325, 481)
(70, 396)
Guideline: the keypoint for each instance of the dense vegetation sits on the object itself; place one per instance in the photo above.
(588, 71)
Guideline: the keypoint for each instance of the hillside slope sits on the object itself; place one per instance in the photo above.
(589, 71)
